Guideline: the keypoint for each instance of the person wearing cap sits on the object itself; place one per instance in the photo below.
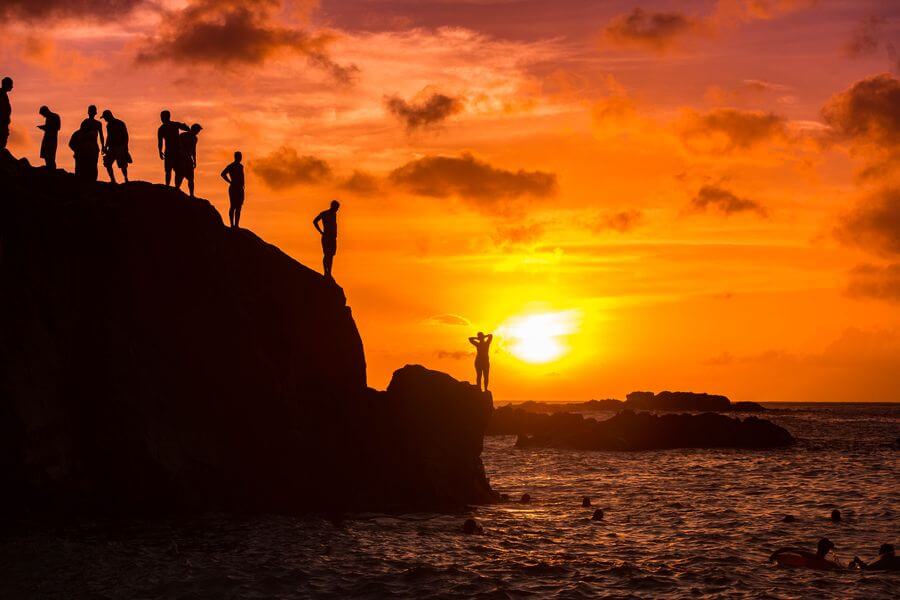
(187, 159)
(50, 141)
(6, 87)
(116, 149)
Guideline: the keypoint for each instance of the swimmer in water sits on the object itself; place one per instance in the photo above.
(798, 557)
(887, 560)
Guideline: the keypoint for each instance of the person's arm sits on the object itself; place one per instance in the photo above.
(102, 139)
(489, 337)
(226, 173)
(473, 341)
(183, 126)
(159, 143)
(316, 224)
(43, 127)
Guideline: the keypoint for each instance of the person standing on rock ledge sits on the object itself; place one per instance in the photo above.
(50, 142)
(234, 175)
(328, 230)
(482, 345)
(5, 111)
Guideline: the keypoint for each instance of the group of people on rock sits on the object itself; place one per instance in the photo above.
(177, 147)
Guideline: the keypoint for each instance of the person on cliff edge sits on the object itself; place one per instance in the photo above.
(5, 110)
(328, 231)
(234, 175)
(482, 345)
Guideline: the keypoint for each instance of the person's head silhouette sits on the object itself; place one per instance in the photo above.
(44, 111)
(7, 84)
(92, 111)
(824, 547)
(107, 115)
(480, 335)
(335, 205)
(196, 128)
(165, 116)
(238, 156)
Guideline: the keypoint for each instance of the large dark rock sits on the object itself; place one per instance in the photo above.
(644, 431)
(152, 358)
(677, 401)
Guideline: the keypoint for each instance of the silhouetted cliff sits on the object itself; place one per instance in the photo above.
(152, 358)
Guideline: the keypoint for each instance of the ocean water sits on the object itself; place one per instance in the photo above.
(678, 524)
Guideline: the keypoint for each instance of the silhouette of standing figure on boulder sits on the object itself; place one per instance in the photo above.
(84, 146)
(234, 175)
(328, 230)
(51, 127)
(482, 345)
(116, 149)
(187, 158)
(5, 111)
(168, 134)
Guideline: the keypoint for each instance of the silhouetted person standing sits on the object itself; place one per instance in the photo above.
(94, 127)
(187, 159)
(5, 110)
(234, 175)
(84, 146)
(168, 134)
(482, 345)
(49, 143)
(328, 229)
(116, 150)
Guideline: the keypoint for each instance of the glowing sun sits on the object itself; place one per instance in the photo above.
(538, 337)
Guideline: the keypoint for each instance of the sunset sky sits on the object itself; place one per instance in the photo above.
(631, 194)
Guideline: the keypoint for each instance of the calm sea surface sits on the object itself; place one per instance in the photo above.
(679, 524)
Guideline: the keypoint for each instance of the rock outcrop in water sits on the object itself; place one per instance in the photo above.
(151, 358)
(644, 431)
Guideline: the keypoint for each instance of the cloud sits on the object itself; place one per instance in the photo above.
(284, 168)
(866, 37)
(451, 319)
(874, 223)
(622, 221)
(228, 33)
(875, 281)
(473, 180)
(724, 201)
(729, 129)
(656, 31)
(453, 354)
(519, 234)
(43, 10)
(362, 183)
(428, 112)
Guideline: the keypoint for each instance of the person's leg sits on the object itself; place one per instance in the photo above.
(327, 261)
(231, 216)
(191, 185)
(478, 376)
(109, 169)
(237, 217)
(168, 175)
(178, 179)
(125, 173)
(487, 375)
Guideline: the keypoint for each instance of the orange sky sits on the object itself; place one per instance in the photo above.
(691, 195)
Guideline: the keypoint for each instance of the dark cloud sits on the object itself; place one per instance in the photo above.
(741, 129)
(41, 10)
(866, 37)
(869, 111)
(473, 180)
(362, 183)
(874, 223)
(450, 319)
(453, 354)
(430, 111)
(622, 221)
(874, 281)
(285, 168)
(724, 201)
(656, 31)
(867, 117)
(227, 33)
(518, 234)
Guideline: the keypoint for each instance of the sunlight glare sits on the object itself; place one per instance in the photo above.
(539, 337)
